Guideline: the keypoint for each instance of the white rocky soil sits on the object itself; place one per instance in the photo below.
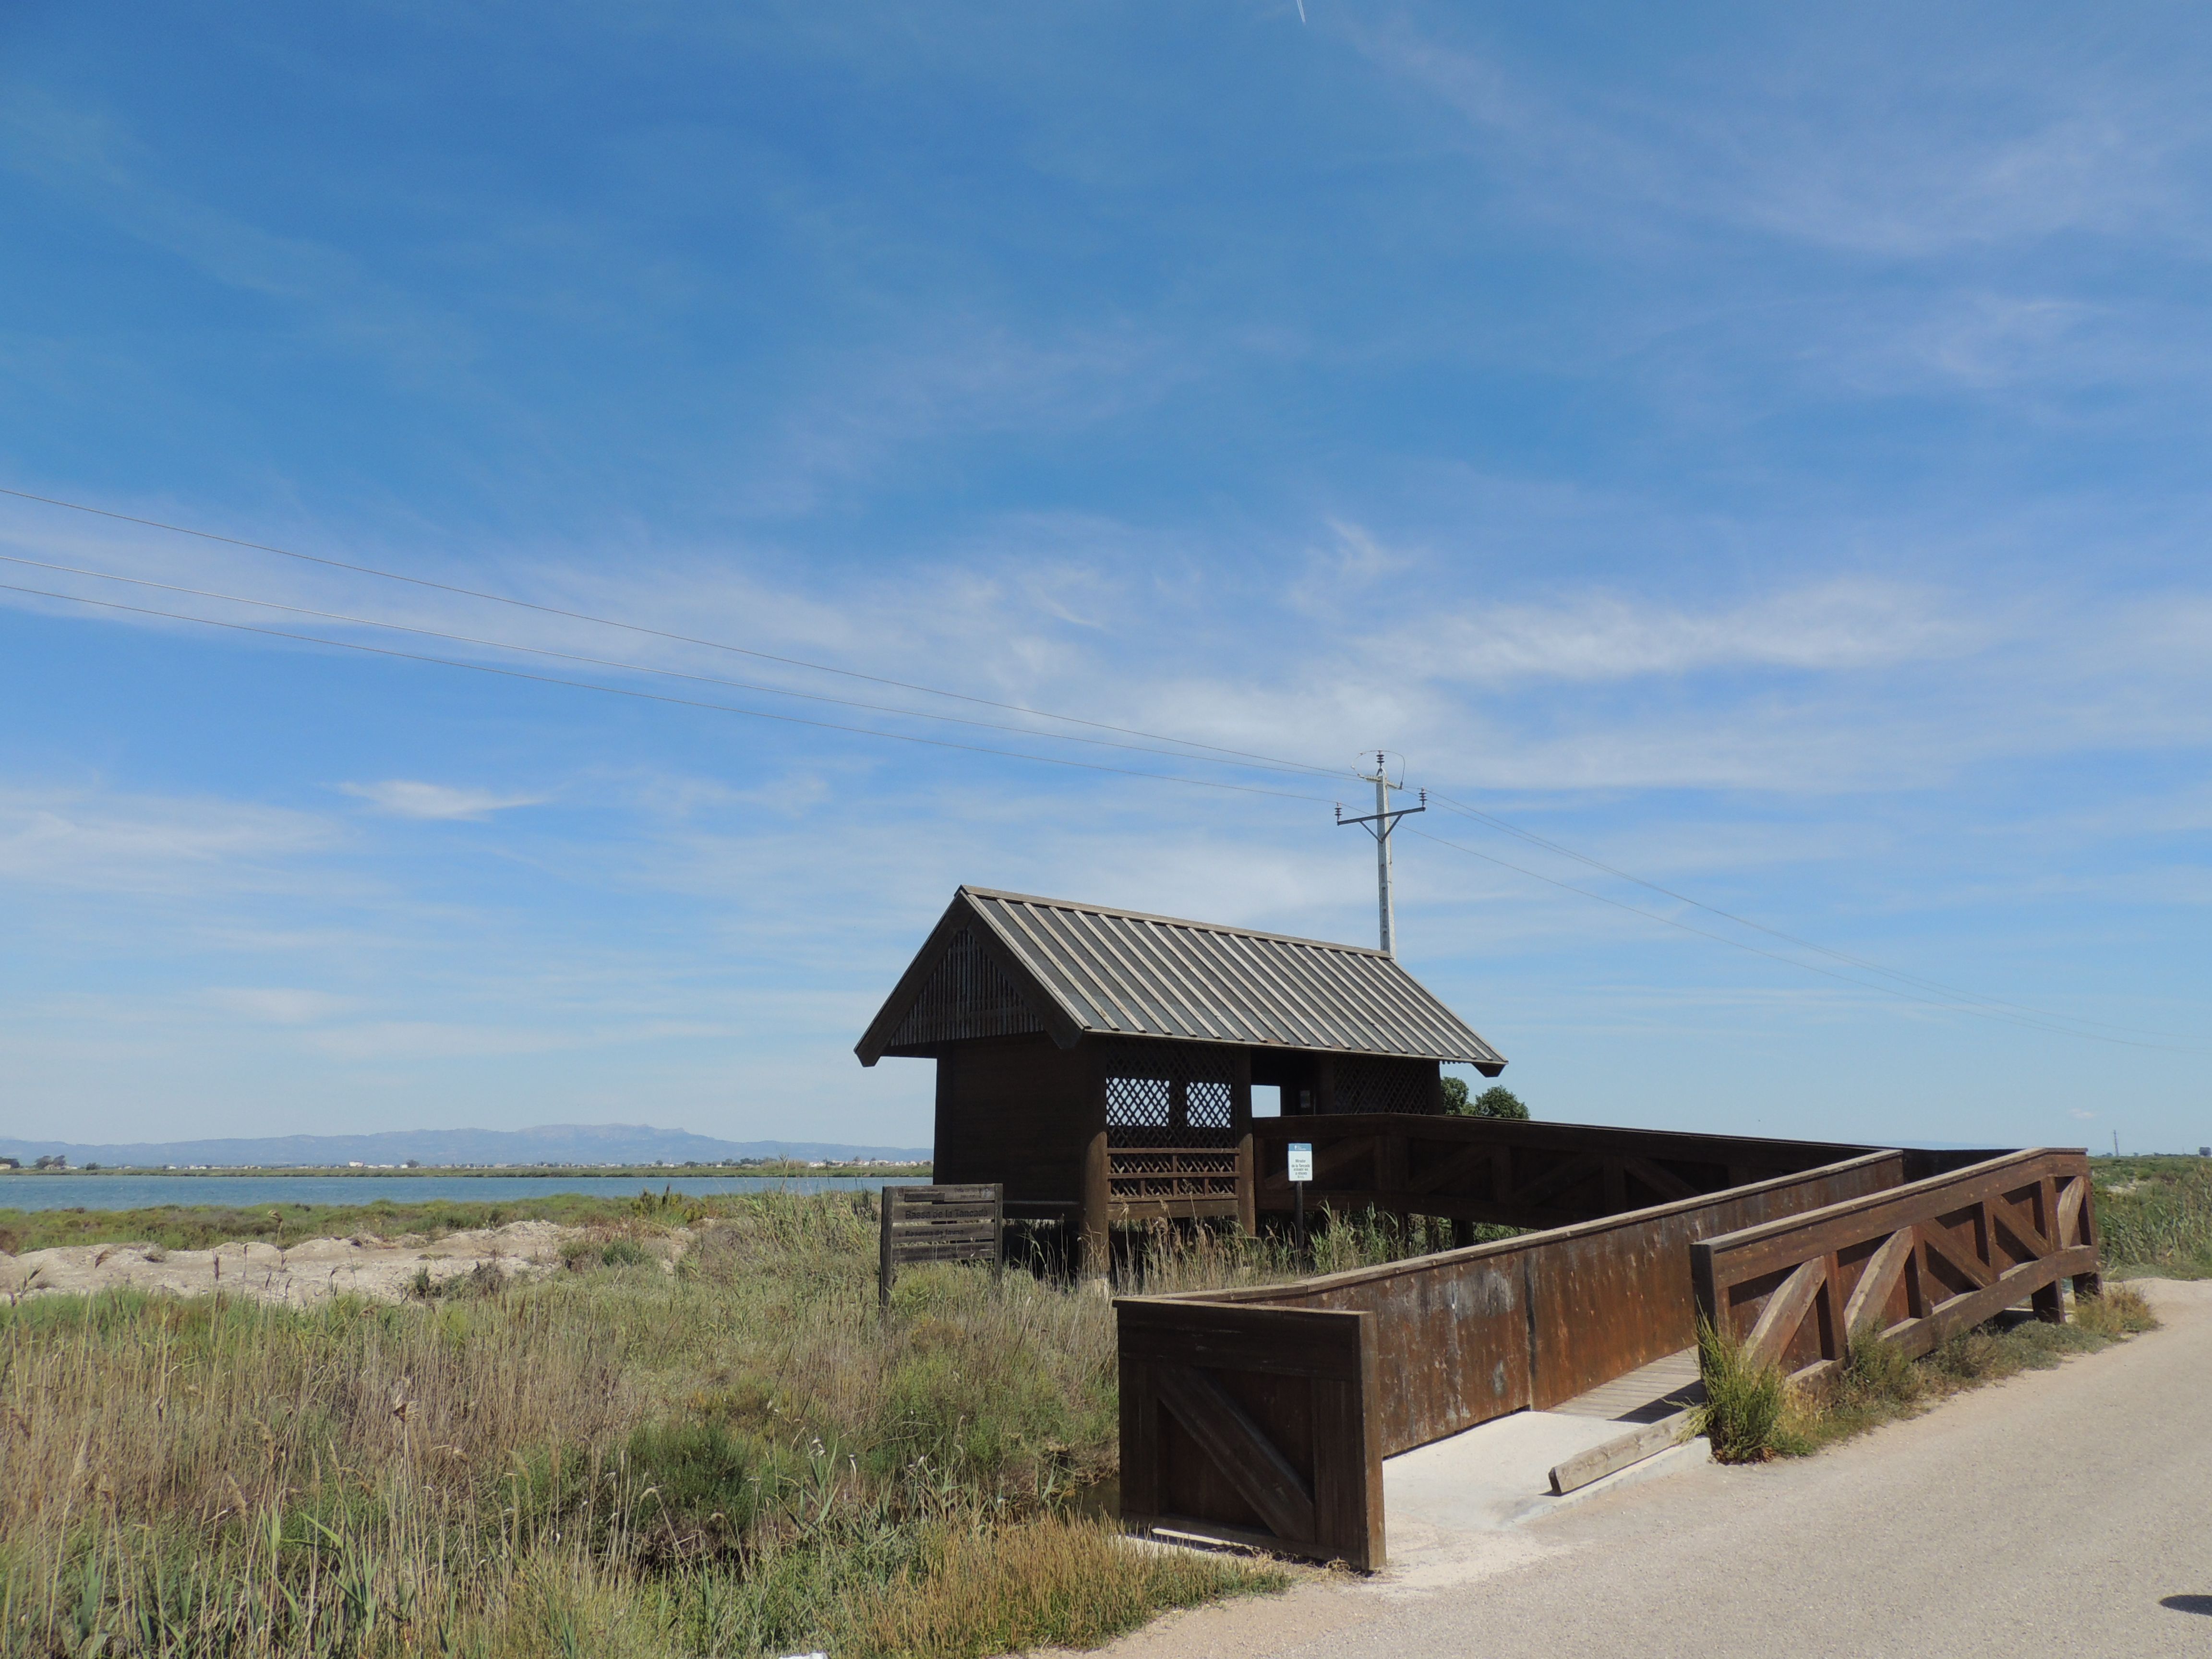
(299, 1275)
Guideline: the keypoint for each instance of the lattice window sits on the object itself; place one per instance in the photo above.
(1385, 1086)
(1170, 1095)
(968, 995)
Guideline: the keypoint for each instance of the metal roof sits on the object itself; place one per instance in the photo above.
(1098, 971)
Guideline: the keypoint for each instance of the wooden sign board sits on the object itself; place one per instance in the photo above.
(939, 1224)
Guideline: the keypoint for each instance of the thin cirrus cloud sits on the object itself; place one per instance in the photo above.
(2035, 144)
(1834, 626)
(277, 1005)
(407, 797)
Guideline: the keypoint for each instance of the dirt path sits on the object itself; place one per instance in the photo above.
(311, 1271)
(2068, 1511)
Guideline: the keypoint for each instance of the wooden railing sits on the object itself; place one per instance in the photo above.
(1158, 1182)
(1455, 1339)
(1914, 1264)
(1519, 1174)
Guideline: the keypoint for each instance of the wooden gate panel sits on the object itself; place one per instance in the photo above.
(1254, 1425)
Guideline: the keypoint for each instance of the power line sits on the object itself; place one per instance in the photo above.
(1549, 845)
(627, 667)
(658, 697)
(1808, 967)
(1990, 1007)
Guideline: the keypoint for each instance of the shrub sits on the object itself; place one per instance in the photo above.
(624, 1253)
(2118, 1312)
(1744, 1404)
(1497, 1100)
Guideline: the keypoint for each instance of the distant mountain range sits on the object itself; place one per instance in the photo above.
(558, 1143)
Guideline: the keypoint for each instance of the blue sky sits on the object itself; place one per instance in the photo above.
(1761, 451)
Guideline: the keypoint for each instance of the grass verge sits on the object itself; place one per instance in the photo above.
(1752, 1414)
(743, 1456)
(2154, 1215)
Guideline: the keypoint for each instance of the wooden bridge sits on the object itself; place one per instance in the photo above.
(1262, 1416)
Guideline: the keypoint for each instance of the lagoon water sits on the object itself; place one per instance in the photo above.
(127, 1192)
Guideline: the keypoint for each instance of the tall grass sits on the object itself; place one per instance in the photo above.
(1744, 1404)
(741, 1457)
(2160, 1220)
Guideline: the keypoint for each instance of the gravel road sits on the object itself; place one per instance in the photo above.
(2063, 1511)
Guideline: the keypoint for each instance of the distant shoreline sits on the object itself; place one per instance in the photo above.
(544, 1171)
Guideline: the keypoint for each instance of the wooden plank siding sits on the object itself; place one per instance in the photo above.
(1015, 1110)
(1470, 1334)
(938, 1224)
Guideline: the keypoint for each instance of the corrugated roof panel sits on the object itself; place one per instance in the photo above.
(1121, 973)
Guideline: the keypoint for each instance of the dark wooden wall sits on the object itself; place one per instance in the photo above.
(1015, 1110)
(1519, 1174)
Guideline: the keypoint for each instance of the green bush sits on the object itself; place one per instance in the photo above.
(1497, 1100)
(1744, 1404)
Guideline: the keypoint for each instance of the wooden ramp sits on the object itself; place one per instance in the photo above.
(1645, 1394)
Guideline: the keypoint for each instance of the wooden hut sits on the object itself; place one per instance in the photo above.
(1100, 1063)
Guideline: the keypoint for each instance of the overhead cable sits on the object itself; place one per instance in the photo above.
(1810, 967)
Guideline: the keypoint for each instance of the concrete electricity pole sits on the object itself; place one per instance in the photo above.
(1379, 824)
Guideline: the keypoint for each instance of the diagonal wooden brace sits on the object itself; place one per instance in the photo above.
(1239, 1449)
(1784, 1311)
(1877, 1280)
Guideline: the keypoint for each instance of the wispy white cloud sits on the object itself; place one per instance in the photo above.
(1906, 163)
(278, 1005)
(408, 797)
(94, 157)
(99, 839)
(1832, 626)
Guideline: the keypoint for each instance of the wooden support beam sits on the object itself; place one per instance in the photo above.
(1784, 1311)
(1618, 1453)
(1936, 1242)
(1877, 1280)
(1097, 1209)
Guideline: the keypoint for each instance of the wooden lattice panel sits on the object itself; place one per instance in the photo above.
(1385, 1086)
(1166, 1095)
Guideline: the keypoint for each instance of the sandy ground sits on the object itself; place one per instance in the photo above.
(2062, 1510)
(311, 1271)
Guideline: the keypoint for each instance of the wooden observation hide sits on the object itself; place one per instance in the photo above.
(1099, 1064)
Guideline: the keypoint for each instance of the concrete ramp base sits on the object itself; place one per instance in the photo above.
(1499, 1475)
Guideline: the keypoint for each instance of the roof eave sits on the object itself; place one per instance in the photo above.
(1059, 1022)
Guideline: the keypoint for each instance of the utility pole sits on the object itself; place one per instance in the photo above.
(1379, 824)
